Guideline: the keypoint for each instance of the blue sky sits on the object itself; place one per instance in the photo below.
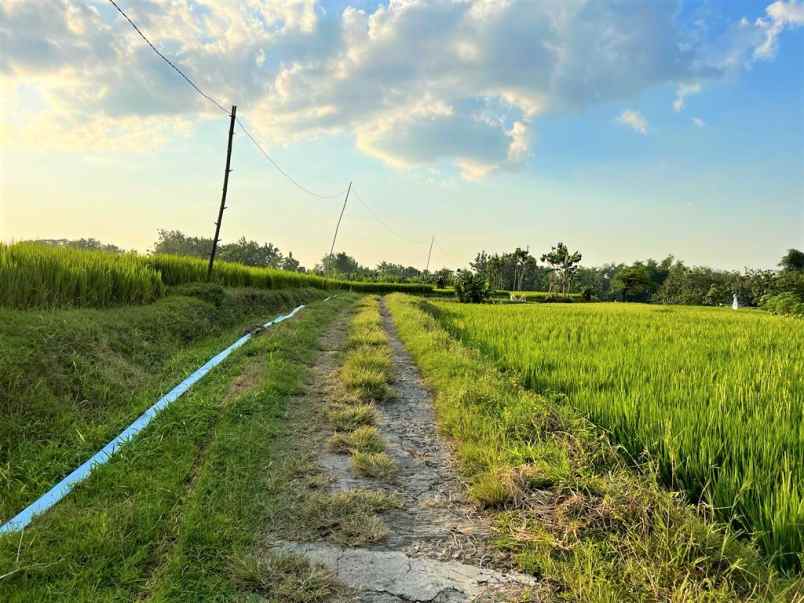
(487, 124)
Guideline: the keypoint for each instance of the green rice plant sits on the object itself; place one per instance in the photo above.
(714, 397)
(37, 275)
(567, 506)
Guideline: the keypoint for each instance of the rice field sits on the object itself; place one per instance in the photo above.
(714, 398)
(35, 276)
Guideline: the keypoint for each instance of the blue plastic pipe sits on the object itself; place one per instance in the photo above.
(65, 486)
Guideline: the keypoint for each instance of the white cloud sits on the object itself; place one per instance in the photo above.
(780, 15)
(417, 82)
(698, 122)
(634, 120)
(682, 92)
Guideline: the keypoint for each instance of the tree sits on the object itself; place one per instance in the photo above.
(243, 251)
(471, 287)
(632, 283)
(339, 264)
(251, 253)
(88, 244)
(792, 261)
(290, 263)
(443, 278)
(175, 242)
(564, 264)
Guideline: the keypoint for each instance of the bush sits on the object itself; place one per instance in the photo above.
(471, 287)
(784, 303)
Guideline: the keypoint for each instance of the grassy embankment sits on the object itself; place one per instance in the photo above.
(169, 513)
(568, 506)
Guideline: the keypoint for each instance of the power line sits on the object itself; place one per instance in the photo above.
(377, 218)
(394, 232)
(251, 136)
(218, 105)
(167, 60)
(445, 252)
(279, 167)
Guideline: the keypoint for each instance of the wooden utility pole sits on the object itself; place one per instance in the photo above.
(223, 196)
(337, 226)
(429, 253)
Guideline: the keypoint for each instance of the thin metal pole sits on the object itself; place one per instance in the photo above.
(223, 196)
(337, 226)
(429, 253)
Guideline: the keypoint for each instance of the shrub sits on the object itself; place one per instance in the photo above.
(784, 303)
(471, 287)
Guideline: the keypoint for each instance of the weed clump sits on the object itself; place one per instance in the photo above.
(350, 417)
(374, 464)
(288, 578)
(363, 439)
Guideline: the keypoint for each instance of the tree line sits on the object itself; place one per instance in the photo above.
(668, 281)
(557, 270)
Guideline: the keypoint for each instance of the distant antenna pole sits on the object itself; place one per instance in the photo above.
(223, 196)
(338, 225)
(429, 253)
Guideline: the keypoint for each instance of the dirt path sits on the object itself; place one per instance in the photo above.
(438, 547)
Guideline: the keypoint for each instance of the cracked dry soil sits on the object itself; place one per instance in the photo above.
(439, 547)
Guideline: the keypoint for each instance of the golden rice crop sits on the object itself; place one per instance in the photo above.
(715, 397)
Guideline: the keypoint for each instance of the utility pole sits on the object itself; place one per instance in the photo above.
(335, 236)
(429, 253)
(223, 196)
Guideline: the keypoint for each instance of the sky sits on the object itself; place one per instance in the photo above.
(627, 129)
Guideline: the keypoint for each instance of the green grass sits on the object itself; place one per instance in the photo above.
(568, 507)
(364, 378)
(34, 275)
(70, 380)
(169, 516)
(366, 370)
(715, 397)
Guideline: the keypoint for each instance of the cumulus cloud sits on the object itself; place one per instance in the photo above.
(634, 120)
(780, 16)
(682, 92)
(416, 82)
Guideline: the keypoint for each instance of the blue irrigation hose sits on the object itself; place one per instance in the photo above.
(65, 486)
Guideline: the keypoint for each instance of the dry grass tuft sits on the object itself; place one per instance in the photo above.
(374, 464)
(288, 578)
(349, 418)
(363, 439)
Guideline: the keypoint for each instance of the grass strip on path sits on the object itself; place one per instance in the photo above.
(364, 380)
(566, 504)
